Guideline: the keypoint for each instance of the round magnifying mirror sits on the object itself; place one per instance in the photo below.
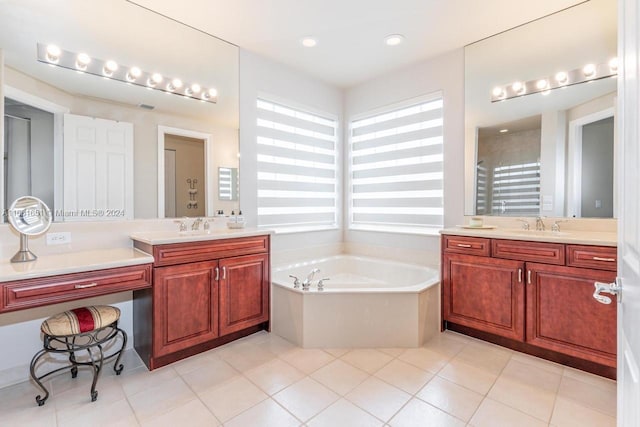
(29, 216)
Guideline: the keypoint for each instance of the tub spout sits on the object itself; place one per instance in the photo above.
(307, 282)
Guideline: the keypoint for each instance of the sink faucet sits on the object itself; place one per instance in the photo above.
(196, 224)
(556, 225)
(306, 283)
(525, 223)
(183, 224)
(539, 224)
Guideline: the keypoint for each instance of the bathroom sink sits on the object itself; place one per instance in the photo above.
(545, 233)
(194, 232)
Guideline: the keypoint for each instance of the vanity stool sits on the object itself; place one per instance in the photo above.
(86, 328)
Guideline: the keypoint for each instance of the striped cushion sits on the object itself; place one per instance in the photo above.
(79, 320)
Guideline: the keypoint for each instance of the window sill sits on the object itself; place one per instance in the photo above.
(306, 229)
(397, 230)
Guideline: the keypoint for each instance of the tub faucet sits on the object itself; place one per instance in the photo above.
(307, 282)
(539, 224)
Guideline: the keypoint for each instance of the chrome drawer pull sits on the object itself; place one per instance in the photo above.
(217, 274)
(597, 258)
(460, 245)
(529, 277)
(519, 275)
(224, 273)
(88, 285)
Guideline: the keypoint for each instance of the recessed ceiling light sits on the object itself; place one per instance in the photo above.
(504, 130)
(308, 42)
(394, 39)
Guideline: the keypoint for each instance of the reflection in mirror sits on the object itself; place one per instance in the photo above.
(541, 170)
(228, 183)
(120, 119)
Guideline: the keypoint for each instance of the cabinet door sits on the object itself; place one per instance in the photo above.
(484, 293)
(563, 316)
(244, 292)
(185, 306)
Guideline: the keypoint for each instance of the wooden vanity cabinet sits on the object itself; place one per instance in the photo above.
(535, 297)
(198, 302)
(484, 293)
(563, 316)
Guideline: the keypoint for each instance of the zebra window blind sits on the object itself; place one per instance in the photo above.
(396, 168)
(297, 171)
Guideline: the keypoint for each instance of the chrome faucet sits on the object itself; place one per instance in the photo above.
(539, 224)
(306, 283)
(556, 225)
(183, 224)
(196, 224)
(525, 224)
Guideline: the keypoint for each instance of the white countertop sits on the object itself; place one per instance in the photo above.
(72, 262)
(578, 237)
(168, 237)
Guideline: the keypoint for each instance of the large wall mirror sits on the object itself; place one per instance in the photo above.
(97, 148)
(531, 150)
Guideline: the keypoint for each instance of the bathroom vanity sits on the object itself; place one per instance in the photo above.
(60, 278)
(532, 292)
(208, 289)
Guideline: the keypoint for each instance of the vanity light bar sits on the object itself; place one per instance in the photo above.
(589, 72)
(83, 63)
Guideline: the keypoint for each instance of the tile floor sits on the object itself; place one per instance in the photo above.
(263, 380)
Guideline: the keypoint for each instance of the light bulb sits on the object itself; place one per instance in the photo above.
(133, 74)
(213, 92)
(503, 130)
(154, 80)
(498, 92)
(109, 68)
(53, 53)
(82, 61)
(562, 78)
(518, 88)
(589, 70)
(542, 84)
(613, 65)
(174, 84)
(193, 89)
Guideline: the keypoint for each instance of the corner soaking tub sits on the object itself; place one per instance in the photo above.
(366, 302)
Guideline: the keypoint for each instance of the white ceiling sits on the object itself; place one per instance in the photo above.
(350, 33)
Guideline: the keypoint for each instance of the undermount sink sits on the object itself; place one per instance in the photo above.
(194, 232)
(545, 233)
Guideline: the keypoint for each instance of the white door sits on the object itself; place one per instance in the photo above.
(629, 218)
(98, 169)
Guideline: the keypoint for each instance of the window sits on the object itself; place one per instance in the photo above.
(396, 169)
(516, 189)
(296, 168)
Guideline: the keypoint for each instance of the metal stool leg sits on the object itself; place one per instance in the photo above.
(117, 367)
(97, 368)
(39, 400)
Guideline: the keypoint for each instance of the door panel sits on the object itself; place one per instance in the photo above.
(484, 293)
(628, 191)
(185, 306)
(556, 298)
(98, 169)
(244, 292)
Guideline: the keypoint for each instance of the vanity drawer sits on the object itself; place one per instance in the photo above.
(596, 257)
(466, 245)
(180, 253)
(68, 287)
(547, 253)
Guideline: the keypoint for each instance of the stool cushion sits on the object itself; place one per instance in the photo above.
(79, 320)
